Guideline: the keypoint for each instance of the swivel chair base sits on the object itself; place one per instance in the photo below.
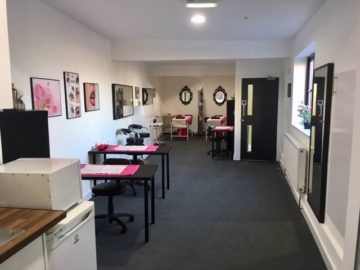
(115, 217)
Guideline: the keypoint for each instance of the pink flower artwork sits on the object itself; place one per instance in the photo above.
(46, 95)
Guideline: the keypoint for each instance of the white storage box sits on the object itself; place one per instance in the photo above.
(40, 183)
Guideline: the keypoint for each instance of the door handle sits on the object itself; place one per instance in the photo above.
(320, 103)
(243, 106)
(310, 180)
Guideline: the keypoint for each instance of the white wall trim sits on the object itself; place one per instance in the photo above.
(320, 233)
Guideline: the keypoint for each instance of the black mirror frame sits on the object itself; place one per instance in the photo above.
(185, 89)
(219, 89)
(321, 183)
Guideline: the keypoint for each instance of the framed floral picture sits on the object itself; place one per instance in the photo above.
(91, 94)
(72, 95)
(45, 95)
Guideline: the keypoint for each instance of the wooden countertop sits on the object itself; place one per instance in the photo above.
(34, 222)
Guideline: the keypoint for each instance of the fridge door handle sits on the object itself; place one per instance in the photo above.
(86, 218)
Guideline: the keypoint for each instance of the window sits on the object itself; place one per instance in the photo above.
(302, 86)
(309, 79)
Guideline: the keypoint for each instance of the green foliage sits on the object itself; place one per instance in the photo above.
(304, 111)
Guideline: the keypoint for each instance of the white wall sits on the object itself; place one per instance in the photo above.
(165, 50)
(195, 69)
(259, 68)
(335, 30)
(5, 78)
(171, 103)
(44, 43)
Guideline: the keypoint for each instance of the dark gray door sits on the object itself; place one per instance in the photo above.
(259, 107)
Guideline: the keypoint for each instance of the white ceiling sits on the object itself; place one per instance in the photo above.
(120, 20)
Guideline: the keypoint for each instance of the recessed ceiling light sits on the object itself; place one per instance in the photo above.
(201, 3)
(198, 19)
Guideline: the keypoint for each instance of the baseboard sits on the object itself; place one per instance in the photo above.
(288, 180)
(319, 236)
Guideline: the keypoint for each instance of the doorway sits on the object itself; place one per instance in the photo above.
(259, 107)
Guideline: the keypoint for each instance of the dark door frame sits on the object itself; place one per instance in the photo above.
(270, 151)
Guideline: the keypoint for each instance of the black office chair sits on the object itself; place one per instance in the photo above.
(136, 134)
(140, 131)
(111, 189)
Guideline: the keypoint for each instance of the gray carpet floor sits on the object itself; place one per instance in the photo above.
(218, 215)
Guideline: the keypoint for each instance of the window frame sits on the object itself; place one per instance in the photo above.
(309, 72)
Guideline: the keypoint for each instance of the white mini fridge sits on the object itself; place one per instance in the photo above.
(71, 243)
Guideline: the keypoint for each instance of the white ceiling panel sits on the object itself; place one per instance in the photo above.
(170, 20)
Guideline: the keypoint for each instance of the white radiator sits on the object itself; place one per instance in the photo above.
(293, 162)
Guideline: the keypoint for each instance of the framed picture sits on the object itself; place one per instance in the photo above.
(45, 95)
(289, 90)
(122, 100)
(72, 95)
(137, 92)
(92, 99)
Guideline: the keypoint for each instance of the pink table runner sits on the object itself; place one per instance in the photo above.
(107, 170)
(134, 148)
(223, 128)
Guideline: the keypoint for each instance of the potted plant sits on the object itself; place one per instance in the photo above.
(304, 111)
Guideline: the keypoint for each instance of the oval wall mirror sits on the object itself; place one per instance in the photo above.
(185, 95)
(220, 96)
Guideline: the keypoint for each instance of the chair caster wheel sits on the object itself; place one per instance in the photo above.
(131, 219)
(123, 230)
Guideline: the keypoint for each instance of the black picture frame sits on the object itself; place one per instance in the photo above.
(123, 100)
(72, 95)
(148, 96)
(289, 88)
(91, 97)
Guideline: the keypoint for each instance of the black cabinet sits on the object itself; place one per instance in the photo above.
(23, 134)
(230, 114)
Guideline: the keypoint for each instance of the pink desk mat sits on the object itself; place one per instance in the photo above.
(107, 170)
(223, 128)
(133, 148)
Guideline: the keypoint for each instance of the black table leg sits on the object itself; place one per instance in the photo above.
(167, 171)
(146, 211)
(163, 176)
(212, 148)
(153, 200)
